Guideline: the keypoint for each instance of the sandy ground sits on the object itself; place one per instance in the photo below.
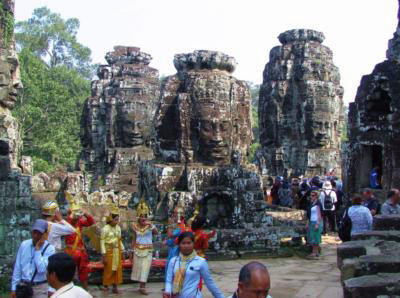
(290, 277)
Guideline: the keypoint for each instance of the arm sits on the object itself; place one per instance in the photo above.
(62, 228)
(133, 239)
(120, 239)
(154, 230)
(212, 287)
(16, 277)
(369, 218)
(319, 215)
(385, 209)
(169, 278)
(88, 220)
(41, 262)
(322, 199)
(102, 240)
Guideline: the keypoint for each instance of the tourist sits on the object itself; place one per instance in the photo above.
(254, 281)
(60, 273)
(275, 189)
(305, 190)
(142, 246)
(391, 206)
(58, 227)
(315, 224)
(328, 199)
(370, 201)
(186, 270)
(361, 218)
(285, 195)
(200, 237)
(374, 181)
(295, 192)
(31, 262)
(111, 250)
(75, 244)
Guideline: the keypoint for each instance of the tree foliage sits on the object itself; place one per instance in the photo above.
(53, 39)
(50, 105)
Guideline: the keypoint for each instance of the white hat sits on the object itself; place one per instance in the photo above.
(327, 185)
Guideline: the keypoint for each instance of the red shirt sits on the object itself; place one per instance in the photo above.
(201, 241)
(84, 221)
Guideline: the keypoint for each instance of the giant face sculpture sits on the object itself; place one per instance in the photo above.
(9, 79)
(214, 126)
(320, 132)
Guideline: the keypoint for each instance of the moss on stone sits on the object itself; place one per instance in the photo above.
(7, 22)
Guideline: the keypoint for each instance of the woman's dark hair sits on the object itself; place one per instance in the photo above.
(113, 216)
(357, 199)
(198, 223)
(184, 235)
(63, 265)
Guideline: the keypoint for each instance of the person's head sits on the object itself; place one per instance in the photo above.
(367, 194)
(314, 196)
(142, 219)
(49, 210)
(198, 223)
(356, 199)
(393, 195)
(254, 281)
(327, 185)
(60, 270)
(113, 220)
(38, 229)
(186, 243)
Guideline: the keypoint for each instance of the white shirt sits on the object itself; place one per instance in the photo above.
(329, 192)
(56, 230)
(71, 291)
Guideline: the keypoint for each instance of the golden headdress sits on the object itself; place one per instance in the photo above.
(49, 208)
(142, 208)
(74, 204)
(195, 213)
(113, 210)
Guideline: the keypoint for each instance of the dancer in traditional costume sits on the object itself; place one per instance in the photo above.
(75, 245)
(200, 237)
(111, 249)
(142, 246)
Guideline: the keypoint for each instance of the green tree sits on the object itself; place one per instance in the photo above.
(54, 72)
(54, 40)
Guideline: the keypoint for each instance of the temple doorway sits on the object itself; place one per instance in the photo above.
(371, 157)
(218, 210)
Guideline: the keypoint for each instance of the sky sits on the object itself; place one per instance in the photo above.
(357, 31)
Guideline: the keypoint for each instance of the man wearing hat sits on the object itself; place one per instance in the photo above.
(58, 227)
(31, 262)
(75, 246)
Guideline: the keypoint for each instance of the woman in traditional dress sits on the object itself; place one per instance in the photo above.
(185, 271)
(201, 238)
(111, 249)
(142, 246)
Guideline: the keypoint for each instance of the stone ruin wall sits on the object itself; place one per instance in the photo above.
(373, 126)
(116, 125)
(301, 107)
(18, 209)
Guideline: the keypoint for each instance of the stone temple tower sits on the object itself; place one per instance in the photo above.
(300, 107)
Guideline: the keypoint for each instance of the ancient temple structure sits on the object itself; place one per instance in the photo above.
(203, 133)
(18, 209)
(300, 107)
(373, 125)
(116, 125)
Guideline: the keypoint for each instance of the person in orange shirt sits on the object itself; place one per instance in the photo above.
(75, 246)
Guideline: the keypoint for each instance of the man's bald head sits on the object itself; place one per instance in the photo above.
(254, 280)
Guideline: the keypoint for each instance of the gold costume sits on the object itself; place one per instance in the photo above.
(112, 247)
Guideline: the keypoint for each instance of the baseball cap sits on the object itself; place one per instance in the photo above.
(40, 225)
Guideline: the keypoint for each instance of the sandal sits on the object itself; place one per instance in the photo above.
(105, 289)
(143, 291)
(115, 291)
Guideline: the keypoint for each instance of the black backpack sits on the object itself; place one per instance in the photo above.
(345, 227)
(328, 201)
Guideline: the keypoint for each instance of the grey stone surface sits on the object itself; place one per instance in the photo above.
(300, 107)
(371, 286)
(116, 124)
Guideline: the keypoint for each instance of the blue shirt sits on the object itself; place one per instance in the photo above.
(361, 219)
(195, 269)
(373, 180)
(28, 258)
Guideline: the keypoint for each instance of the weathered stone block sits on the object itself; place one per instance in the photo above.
(372, 286)
(386, 222)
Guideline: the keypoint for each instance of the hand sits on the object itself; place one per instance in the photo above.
(104, 260)
(41, 241)
(307, 226)
(316, 226)
(13, 295)
(58, 216)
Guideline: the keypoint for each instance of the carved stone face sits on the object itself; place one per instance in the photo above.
(215, 134)
(132, 128)
(320, 133)
(9, 80)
